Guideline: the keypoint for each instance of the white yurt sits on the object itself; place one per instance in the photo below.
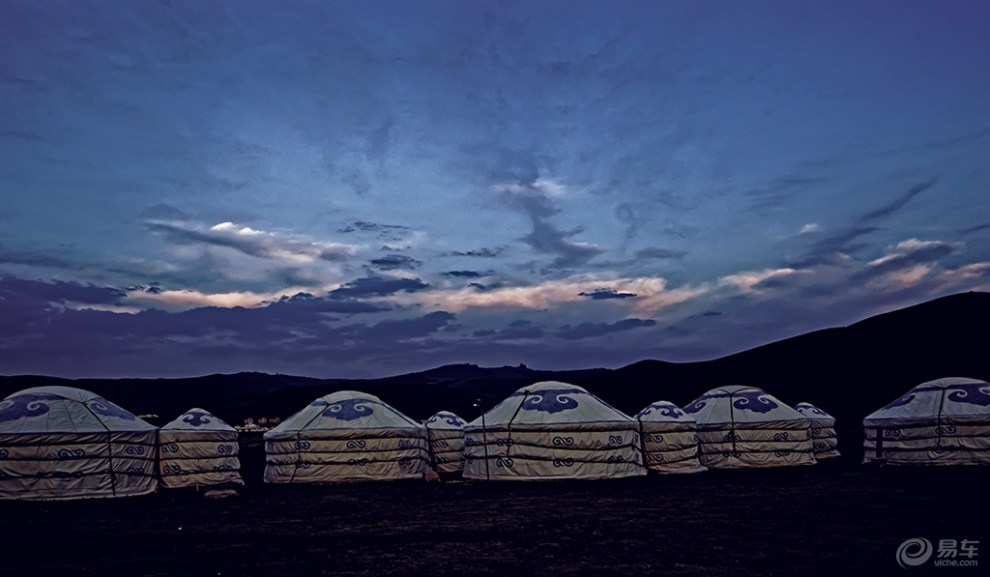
(445, 432)
(346, 436)
(198, 449)
(670, 439)
(67, 443)
(823, 437)
(940, 422)
(740, 427)
(552, 430)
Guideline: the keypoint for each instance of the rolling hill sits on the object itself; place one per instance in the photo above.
(849, 371)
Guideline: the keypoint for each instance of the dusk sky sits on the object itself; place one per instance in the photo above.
(362, 189)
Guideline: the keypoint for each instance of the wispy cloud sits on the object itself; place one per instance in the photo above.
(253, 242)
(377, 287)
(395, 261)
(481, 252)
(538, 200)
(606, 294)
(591, 330)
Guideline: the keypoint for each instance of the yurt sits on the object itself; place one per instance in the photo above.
(552, 430)
(198, 449)
(823, 438)
(67, 443)
(940, 422)
(445, 433)
(670, 439)
(346, 436)
(740, 427)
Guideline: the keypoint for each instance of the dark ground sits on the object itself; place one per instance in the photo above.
(825, 520)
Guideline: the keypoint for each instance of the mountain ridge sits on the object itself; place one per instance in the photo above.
(848, 371)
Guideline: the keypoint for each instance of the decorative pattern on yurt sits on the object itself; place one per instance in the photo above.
(670, 439)
(552, 430)
(742, 427)
(445, 431)
(67, 443)
(940, 422)
(198, 449)
(346, 436)
(823, 437)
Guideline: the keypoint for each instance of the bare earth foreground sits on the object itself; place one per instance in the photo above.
(823, 520)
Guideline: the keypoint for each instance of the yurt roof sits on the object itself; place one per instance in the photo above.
(664, 411)
(64, 410)
(346, 410)
(741, 404)
(946, 397)
(551, 403)
(445, 420)
(814, 413)
(197, 419)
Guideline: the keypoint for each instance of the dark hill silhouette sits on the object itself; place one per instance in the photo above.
(848, 371)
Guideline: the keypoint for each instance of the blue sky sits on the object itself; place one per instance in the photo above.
(356, 189)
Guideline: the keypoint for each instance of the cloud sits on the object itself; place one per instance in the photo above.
(537, 199)
(546, 238)
(654, 253)
(62, 292)
(899, 202)
(965, 274)
(395, 261)
(590, 330)
(482, 252)
(377, 287)
(782, 190)
(516, 330)
(835, 245)
(913, 251)
(40, 259)
(177, 300)
(605, 294)
(652, 294)
(467, 274)
(400, 330)
(385, 231)
(841, 241)
(252, 242)
(811, 227)
(751, 281)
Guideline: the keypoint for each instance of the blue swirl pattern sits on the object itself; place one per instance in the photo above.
(349, 409)
(25, 406)
(451, 419)
(104, 407)
(753, 401)
(666, 409)
(971, 393)
(550, 400)
(197, 418)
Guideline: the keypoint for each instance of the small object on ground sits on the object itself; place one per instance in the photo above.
(220, 493)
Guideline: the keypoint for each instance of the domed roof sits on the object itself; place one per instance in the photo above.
(818, 416)
(741, 404)
(664, 411)
(445, 420)
(64, 410)
(550, 403)
(345, 410)
(197, 419)
(956, 397)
